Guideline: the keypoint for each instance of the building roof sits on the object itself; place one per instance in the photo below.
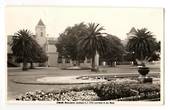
(133, 30)
(40, 23)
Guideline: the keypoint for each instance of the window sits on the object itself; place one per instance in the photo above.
(41, 34)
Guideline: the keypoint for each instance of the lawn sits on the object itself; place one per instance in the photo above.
(15, 89)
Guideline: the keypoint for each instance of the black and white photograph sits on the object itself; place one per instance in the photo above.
(84, 55)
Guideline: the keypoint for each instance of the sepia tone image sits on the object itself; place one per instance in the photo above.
(84, 54)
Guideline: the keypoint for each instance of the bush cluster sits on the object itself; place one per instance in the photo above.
(154, 96)
(112, 90)
(120, 91)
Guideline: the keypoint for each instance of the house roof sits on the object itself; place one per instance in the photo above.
(40, 23)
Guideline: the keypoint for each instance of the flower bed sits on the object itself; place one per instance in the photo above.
(85, 95)
(122, 91)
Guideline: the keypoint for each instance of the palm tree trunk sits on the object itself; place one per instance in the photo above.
(74, 63)
(24, 68)
(142, 59)
(78, 63)
(97, 61)
(93, 63)
(31, 65)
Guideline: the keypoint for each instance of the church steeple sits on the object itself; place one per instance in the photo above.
(41, 39)
(40, 29)
(133, 30)
(40, 23)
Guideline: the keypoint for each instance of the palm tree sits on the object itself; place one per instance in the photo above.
(22, 46)
(93, 43)
(142, 45)
(38, 54)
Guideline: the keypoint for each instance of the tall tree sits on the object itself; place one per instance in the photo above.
(114, 51)
(67, 41)
(26, 49)
(93, 42)
(22, 46)
(39, 54)
(143, 45)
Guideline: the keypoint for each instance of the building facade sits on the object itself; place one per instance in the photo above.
(47, 44)
(52, 52)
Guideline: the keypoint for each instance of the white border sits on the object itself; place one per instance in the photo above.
(113, 3)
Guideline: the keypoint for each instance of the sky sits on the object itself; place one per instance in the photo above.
(116, 21)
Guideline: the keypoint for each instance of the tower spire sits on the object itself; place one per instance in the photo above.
(40, 23)
(133, 30)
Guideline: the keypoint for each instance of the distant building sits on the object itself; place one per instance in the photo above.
(52, 52)
(47, 43)
(130, 34)
(126, 59)
(40, 35)
(11, 59)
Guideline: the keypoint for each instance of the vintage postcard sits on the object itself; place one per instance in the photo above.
(84, 55)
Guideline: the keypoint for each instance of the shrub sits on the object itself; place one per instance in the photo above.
(113, 90)
(145, 88)
(120, 91)
(149, 97)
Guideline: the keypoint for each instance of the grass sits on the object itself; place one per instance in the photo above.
(15, 89)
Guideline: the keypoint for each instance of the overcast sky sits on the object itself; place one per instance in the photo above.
(116, 21)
